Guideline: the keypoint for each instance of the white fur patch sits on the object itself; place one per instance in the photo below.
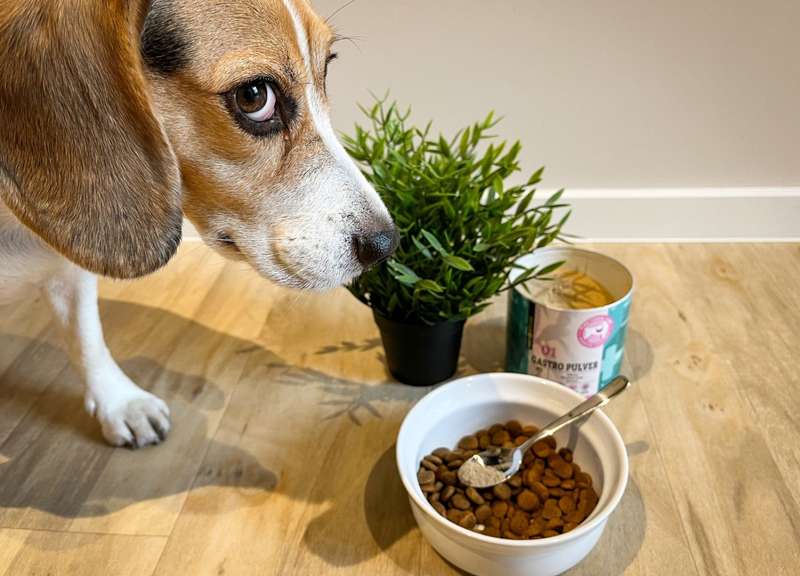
(321, 118)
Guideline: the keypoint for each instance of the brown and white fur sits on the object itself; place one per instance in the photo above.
(117, 117)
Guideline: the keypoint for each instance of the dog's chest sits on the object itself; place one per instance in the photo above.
(25, 262)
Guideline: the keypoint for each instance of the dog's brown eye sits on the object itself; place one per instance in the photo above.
(256, 101)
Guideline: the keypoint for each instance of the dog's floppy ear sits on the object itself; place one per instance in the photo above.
(84, 161)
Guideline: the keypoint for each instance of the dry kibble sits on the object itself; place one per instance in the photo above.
(553, 523)
(435, 459)
(541, 490)
(502, 491)
(519, 523)
(429, 465)
(483, 512)
(447, 493)
(449, 477)
(425, 476)
(550, 495)
(468, 443)
(499, 509)
(564, 470)
(473, 495)
(551, 509)
(441, 452)
(514, 427)
(527, 500)
(468, 521)
(501, 437)
(542, 449)
(460, 502)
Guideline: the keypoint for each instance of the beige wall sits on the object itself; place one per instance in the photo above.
(605, 93)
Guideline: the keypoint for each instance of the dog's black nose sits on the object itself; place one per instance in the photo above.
(375, 247)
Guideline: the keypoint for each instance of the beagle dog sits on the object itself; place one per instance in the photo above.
(118, 117)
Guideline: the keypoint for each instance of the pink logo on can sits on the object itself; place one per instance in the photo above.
(595, 331)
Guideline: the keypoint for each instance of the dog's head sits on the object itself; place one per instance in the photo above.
(122, 116)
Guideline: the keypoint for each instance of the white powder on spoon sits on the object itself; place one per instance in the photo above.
(473, 472)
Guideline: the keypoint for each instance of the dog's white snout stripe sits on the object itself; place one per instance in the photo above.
(320, 117)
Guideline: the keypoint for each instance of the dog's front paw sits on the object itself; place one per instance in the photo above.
(129, 416)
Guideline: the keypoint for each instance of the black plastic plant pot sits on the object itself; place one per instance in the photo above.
(420, 354)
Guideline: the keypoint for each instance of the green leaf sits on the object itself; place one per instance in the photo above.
(429, 285)
(459, 263)
(422, 248)
(434, 242)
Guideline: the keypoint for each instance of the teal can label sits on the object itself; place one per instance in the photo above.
(579, 348)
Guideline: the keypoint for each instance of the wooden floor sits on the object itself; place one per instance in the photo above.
(280, 460)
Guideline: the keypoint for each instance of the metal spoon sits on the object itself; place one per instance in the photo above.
(497, 465)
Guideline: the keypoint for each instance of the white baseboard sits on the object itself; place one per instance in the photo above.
(685, 214)
(755, 214)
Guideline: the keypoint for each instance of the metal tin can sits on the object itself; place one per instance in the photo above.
(580, 348)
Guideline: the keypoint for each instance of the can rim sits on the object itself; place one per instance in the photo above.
(540, 252)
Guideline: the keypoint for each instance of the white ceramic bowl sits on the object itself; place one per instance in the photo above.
(466, 405)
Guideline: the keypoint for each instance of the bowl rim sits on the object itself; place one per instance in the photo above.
(580, 530)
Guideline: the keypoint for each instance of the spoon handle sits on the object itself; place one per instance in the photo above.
(614, 388)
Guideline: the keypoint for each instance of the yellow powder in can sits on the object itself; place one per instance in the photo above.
(569, 288)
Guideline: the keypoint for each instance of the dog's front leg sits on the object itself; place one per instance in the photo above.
(129, 416)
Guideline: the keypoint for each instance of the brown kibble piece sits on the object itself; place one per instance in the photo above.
(541, 490)
(519, 523)
(468, 521)
(520, 440)
(568, 484)
(455, 515)
(553, 523)
(549, 533)
(551, 442)
(492, 531)
(582, 480)
(457, 454)
(484, 440)
(513, 426)
(535, 527)
(441, 452)
(460, 502)
(449, 477)
(551, 481)
(499, 508)
(434, 458)
(425, 477)
(429, 465)
(439, 507)
(500, 437)
(575, 517)
(502, 491)
(455, 464)
(473, 495)
(542, 449)
(483, 513)
(527, 500)
(468, 443)
(564, 470)
(531, 476)
(447, 493)
(566, 454)
(515, 481)
(566, 504)
(551, 509)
